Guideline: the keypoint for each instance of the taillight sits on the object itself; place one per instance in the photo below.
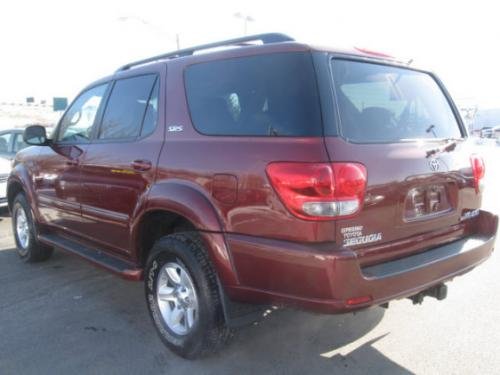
(478, 169)
(319, 191)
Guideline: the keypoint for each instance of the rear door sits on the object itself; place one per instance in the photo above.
(399, 123)
(119, 164)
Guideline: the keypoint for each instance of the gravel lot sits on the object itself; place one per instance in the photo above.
(65, 316)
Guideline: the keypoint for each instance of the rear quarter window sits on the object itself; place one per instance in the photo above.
(265, 95)
(380, 103)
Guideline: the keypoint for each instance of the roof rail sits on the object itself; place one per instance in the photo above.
(264, 38)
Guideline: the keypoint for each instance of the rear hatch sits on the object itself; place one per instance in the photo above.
(420, 190)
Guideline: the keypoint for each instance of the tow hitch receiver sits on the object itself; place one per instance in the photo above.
(439, 292)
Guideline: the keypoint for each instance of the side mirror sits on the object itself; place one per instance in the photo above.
(35, 135)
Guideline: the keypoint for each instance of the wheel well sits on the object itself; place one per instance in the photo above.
(157, 224)
(14, 189)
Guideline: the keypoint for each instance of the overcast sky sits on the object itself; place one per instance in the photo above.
(54, 48)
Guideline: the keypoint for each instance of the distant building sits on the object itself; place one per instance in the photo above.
(18, 115)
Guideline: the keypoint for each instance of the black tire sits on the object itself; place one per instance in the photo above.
(209, 332)
(33, 251)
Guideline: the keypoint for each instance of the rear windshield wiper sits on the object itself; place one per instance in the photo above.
(431, 129)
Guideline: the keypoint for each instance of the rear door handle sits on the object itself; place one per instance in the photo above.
(141, 165)
(72, 162)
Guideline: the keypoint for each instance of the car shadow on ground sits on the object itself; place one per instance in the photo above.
(80, 318)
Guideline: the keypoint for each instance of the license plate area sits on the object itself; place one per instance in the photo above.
(426, 202)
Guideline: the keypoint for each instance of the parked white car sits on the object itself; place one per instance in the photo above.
(5, 167)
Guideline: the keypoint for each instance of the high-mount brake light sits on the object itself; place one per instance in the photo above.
(373, 53)
(478, 169)
(319, 191)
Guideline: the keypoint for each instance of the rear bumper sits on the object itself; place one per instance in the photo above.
(332, 280)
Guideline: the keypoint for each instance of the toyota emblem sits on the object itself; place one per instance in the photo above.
(434, 165)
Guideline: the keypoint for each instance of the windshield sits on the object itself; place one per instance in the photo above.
(379, 103)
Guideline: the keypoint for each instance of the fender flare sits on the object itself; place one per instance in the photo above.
(191, 202)
(21, 176)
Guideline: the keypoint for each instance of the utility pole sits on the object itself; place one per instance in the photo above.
(246, 19)
(152, 27)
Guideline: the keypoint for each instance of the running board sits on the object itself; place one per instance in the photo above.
(98, 257)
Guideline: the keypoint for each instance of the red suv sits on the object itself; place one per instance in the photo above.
(271, 172)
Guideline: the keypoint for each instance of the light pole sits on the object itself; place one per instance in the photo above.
(151, 26)
(246, 19)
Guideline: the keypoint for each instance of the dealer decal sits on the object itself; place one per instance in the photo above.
(354, 236)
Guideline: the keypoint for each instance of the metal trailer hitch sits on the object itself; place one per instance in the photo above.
(439, 292)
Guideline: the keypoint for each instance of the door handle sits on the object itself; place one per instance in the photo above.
(141, 165)
(72, 162)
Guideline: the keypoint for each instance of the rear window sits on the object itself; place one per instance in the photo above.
(379, 103)
(267, 95)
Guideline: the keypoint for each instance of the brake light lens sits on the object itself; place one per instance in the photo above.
(319, 191)
(373, 53)
(478, 169)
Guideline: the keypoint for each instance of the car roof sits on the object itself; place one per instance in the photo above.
(240, 47)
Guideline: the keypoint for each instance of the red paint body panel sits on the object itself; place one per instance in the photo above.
(324, 279)
(95, 194)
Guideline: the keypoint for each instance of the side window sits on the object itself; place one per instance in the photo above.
(5, 142)
(76, 125)
(151, 116)
(126, 107)
(19, 143)
(265, 95)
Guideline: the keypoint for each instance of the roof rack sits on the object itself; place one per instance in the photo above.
(264, 38)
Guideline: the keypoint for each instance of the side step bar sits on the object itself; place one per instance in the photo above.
(109, 262)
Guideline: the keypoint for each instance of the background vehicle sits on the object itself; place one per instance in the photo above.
(496, 132)
(11, 141)
(487, 132)
(249, 175)
(4, 175)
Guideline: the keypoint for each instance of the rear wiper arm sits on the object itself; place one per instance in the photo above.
(431, 129)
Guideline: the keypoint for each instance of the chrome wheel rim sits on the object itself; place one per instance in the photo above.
(22, 228)
(177, 299)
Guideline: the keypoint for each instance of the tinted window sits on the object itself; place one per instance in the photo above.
(151, 116)
(76, 125)
(379, 103)
(273, 95)
(126, 107)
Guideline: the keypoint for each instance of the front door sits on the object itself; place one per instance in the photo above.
(119, 164)
(57, 175)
